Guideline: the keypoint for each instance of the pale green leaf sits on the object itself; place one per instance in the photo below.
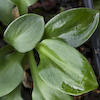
(64, 68)
(25, 32)
(14, 95)
(41, 90)
(11, 72)
(6, 11)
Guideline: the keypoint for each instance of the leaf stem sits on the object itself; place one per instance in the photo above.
(33, 66)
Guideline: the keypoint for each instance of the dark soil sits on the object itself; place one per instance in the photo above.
(49, 8)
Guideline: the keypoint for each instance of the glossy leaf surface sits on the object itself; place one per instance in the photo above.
(11, 72)
(64, 68)
(41, 90)
(6, 11)
(23, 5)
(25, 32)
(14, 95)
(74, 26)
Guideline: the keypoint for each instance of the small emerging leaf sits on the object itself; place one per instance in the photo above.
(25, 32)
(11, 72)
(23, 5)
(14, 95)
(64, 68)
(74, 26)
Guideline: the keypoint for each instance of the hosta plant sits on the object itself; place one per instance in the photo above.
(62, 71)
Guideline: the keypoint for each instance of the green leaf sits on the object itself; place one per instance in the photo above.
(5, 50)
(64, 68)
(6, 11)
(74, 26)
(25, 32)
(14, 95)
(41, 90)
(23, 4)
(11, 72)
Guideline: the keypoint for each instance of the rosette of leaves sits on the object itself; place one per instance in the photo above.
(62, 70)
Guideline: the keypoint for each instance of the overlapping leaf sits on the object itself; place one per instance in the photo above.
(74, 26)
(14, 95)
(6, 11)
(64, 68)
(25, 32)
(5, 50)
(23, 4)
(41, 90)
(11, 72)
